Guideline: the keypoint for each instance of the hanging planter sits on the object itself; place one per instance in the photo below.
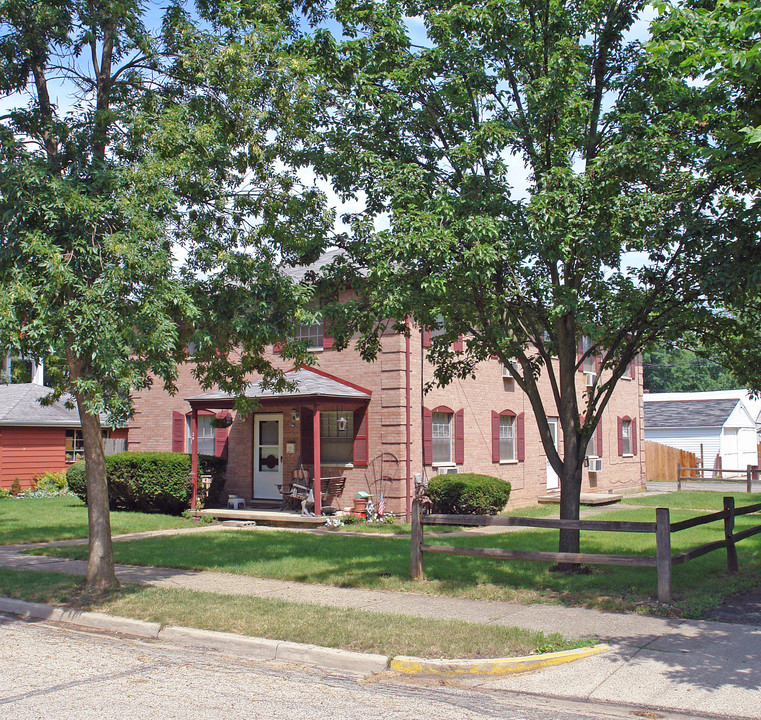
(222, 420)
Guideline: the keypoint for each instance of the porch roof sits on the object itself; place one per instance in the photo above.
(311, 384)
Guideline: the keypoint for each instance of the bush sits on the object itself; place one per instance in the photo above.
(50, 482)
(151, 481)
(468, 494)
(16, 487)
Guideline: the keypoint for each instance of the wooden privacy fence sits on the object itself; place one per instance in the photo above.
(661, 461)
(696, 474)
(663, 560)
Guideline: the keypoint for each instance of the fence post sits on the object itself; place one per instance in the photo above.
(416, 552)
(749, 477)
(729, 530)
(663, 553)
(679, 476)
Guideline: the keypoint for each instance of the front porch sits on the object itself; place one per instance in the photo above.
(265, 517)
(318, 422)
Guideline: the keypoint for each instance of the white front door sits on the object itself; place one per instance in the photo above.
(268, 455)
(553, 482)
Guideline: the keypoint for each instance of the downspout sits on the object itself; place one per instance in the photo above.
(408, 413)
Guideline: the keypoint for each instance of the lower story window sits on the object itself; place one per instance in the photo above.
(626, 437)
(506, 437)
(75, 446)
(336, 437)
(442, 438)
(205, 435)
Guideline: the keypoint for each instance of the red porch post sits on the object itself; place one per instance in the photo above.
(194, 458)
(316, 458)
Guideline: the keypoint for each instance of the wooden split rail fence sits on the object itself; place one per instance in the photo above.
(686, 474)
(663, 560)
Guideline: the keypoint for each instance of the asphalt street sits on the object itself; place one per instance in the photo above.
(55, 672)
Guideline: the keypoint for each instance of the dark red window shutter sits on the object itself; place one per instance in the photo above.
(458, 345)
(427, 436)
(277, 348)
(620, 436)
(495, 454)
(520, 435)
(598, 363)
(220, 436)
(178, 432)
(579, 353)
(633, 369)
(459, 437)
(634, 437)
(327, 338)
(426, 333)
(598, 439)
(307, 436)
(361, 453)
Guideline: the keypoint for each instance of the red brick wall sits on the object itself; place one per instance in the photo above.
(151, 428)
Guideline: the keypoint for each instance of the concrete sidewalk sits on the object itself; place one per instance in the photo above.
(687, 666)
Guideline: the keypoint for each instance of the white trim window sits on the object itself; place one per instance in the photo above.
(626, 437)
(75, 446)
(507, 438)
(205, 435)
(311, 334)
(442, 438)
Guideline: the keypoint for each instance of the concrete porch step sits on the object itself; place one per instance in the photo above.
(269, 518)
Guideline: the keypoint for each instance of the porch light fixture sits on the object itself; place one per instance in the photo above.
(342, 424)
(294, 417)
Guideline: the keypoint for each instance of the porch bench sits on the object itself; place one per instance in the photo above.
(332, 487)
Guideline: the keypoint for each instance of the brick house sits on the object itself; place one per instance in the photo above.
(377, 427)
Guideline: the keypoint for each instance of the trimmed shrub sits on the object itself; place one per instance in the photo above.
(151, 481)
(468, 494)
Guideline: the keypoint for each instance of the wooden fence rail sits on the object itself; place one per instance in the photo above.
(751, 474)
(663, 560)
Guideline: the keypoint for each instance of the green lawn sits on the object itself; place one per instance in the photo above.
(280, 620)
(30, 520)
(383, 562)
(697, 499)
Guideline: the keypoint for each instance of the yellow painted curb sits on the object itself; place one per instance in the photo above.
(496, 666)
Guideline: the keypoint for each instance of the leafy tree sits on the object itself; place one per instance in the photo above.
(683, 370)
(438, 111)
(718, 44)
(143, 203)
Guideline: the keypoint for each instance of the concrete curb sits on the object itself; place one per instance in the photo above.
(290, 652)
(259, 648)
(491, 668)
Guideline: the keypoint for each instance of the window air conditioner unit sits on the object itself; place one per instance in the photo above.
(590, 378)
(595, 465)
(507, 372)
(449, 470)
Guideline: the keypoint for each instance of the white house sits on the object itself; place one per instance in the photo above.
(720, 427)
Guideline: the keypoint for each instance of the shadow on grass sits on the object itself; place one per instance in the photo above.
(383, 563)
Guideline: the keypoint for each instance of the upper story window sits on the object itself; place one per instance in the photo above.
(311, 334)
(590, 364)
(442, 437)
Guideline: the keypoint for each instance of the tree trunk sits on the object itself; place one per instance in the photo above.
(100, 561)
(570, 490)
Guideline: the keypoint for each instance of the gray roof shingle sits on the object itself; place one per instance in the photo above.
(308, 384)
(19, 405)
(688, 413)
